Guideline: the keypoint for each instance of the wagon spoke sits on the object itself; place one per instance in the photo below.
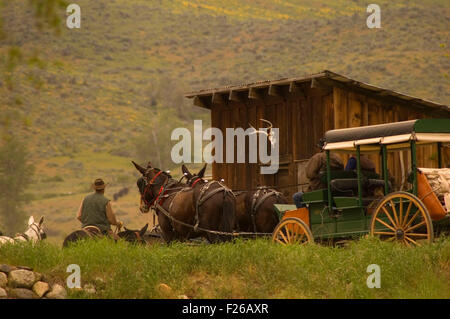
(295, 233)
(288, 233)
(301, 238)
(412, 219)
(282, 235)
(407, 213)
(394, 212)
(382, 222)
(400, 208)
(406, 242)
(391, 238)
(416, 226)
(279, 241)
(384, 233)
(417, 235)
(389, 216)
(412, 240)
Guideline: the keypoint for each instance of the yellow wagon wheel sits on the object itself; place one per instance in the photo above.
(402, 217)
(292, 230)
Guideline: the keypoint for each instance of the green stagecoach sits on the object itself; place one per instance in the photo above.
(357, 203)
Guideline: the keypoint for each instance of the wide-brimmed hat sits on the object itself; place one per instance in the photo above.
(99, 184)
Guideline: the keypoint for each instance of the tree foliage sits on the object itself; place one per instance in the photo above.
(16, 174)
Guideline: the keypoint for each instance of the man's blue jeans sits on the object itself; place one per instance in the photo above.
(298, 200)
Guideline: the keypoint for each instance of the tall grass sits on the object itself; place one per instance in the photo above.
(244, 269)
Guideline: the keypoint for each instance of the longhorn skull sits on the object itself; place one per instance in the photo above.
(269, 133)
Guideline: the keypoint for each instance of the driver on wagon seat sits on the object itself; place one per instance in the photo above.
(316, 165)
(95, 210)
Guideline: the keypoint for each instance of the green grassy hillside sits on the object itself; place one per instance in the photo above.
(244, 269)
(88, 100)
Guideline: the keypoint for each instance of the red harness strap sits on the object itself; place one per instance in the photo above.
(154, 177)
(193, 184)
(147, 188)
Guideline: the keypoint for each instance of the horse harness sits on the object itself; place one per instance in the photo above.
(26, 237)
(257, 201)
(202, 198)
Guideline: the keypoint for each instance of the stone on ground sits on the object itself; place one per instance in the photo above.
(89, 288)
(57, 292)
(6, 268)
(21, 278)
(3, 280)
(3, 294)
(40, 288)
(22, 293)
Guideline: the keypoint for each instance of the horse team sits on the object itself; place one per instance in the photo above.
(186, 209)
(200, 208)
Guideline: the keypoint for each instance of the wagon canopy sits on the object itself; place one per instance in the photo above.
(393, 135)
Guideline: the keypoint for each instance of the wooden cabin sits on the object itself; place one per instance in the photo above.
(304, 109)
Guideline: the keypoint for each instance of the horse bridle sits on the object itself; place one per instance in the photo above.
(37, 232)
(148, 188)
(195, 180)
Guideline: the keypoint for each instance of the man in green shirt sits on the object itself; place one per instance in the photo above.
(95, 210)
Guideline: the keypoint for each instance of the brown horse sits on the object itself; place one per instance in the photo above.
(84, 233)
(254, 209)
(215, 197)
(132, 236)
(170, 197)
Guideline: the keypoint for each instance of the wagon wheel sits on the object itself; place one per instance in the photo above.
(292, 230)
(402, 217)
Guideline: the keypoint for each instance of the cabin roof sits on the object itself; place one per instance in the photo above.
(228, 91)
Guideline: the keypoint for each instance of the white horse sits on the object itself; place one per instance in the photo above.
(34, 233)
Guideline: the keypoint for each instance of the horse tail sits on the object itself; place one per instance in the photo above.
(228, 213)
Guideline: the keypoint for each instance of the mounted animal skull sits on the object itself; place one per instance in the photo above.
(268, 131)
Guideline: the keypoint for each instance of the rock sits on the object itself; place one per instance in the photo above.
(89, 288)
(22, 293)
(25, 268)
(183, 297)
(40, 288)
(38, 276)
(6, 268)
(3, 280)
(165, 289)
(21, 278)
(57, 292)
(3, 294)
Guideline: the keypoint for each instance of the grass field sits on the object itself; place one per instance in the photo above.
(244, 269)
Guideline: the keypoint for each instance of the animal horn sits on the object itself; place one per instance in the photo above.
(270, 123)
(139, 168)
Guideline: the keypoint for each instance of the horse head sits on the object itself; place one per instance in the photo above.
(134, 236)
(192, 179)
(35, 231)
(149, 183)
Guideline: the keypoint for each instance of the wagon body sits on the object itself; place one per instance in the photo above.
(347, 209)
